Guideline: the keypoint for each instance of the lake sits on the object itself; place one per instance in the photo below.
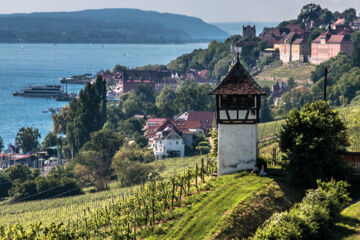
(22, 65)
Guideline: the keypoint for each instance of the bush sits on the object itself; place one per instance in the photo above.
(313, 218)
(5, 185)
(55, 184)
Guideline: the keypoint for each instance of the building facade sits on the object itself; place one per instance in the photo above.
(168, 142)
(292, 48)
(329, 45)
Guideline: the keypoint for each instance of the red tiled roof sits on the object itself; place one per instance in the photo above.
(180, 124)
(332, 38)
(295, 28)
(206, 118)
(156, 120)
(272, 32)
(298, 41)
(16, 156)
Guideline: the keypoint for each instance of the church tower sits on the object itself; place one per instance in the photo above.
(238, 102)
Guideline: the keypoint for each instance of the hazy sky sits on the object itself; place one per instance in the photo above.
(208, 10)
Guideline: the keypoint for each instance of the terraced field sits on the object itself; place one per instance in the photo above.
(299, 73)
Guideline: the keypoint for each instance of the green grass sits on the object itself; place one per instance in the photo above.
(349, 226)
(299, 73)
(70, 208)
(203, 213)
(173, 166)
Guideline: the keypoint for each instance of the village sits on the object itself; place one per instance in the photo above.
(209, 146)
(169, 137)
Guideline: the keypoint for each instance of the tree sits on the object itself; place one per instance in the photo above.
(309, 12)
(1, 144)
(85, 115)
(214, 145)
(349, 14)
(291, 83)
(6, 184)
(165, 102)
(27, 139)
(311, 141)
(119, 68)
(355, 58)
(50, 142)
(91, 169)
(326, 16)
(194, 96)
(266, 115)
(129, 167)
(106, 142)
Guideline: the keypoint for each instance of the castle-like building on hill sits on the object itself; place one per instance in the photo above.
(249, 31)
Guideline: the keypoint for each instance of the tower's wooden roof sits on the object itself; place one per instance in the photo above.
(238, 82)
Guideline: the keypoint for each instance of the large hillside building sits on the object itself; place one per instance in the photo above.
(329, 45)
(292, 48)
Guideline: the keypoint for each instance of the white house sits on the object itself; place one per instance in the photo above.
(168, 142)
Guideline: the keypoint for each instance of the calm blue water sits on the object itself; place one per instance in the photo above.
(46, 63)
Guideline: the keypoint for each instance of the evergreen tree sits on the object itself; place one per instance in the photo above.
(86, 115)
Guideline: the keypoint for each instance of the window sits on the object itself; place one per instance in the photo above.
(246, 101)
(177, 142)
(237, 102)
(228, 101)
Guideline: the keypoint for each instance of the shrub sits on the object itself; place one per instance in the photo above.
(5, 185)
(313, 218)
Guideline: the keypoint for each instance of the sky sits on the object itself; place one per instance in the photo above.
(208, 10)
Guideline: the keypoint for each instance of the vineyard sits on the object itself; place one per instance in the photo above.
(70, 208)
(269, 129)
(144, 206)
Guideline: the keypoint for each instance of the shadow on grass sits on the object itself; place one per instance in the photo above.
(281, 178)
(342, 230)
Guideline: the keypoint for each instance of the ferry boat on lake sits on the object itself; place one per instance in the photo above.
(46, 91)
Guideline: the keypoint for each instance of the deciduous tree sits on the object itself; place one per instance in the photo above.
(311, 141)
(28, 139)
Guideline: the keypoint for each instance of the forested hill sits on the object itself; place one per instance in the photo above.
(106, 26)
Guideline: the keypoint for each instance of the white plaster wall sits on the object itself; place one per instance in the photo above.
(170, 145)
(237, 147)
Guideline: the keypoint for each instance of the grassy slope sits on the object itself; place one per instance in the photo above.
(298, 73)
(205, 215)
(51, 210)
(349, 226)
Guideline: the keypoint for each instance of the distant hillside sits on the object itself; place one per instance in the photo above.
(106, 26)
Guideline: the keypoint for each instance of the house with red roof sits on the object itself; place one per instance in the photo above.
(329, 44)
(152, 125)
(168, 142)
(206, 119)
(11, 159)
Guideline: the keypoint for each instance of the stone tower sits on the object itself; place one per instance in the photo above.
(249, 31)
(238, 102)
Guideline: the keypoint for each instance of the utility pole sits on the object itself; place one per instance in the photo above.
(325, 82)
